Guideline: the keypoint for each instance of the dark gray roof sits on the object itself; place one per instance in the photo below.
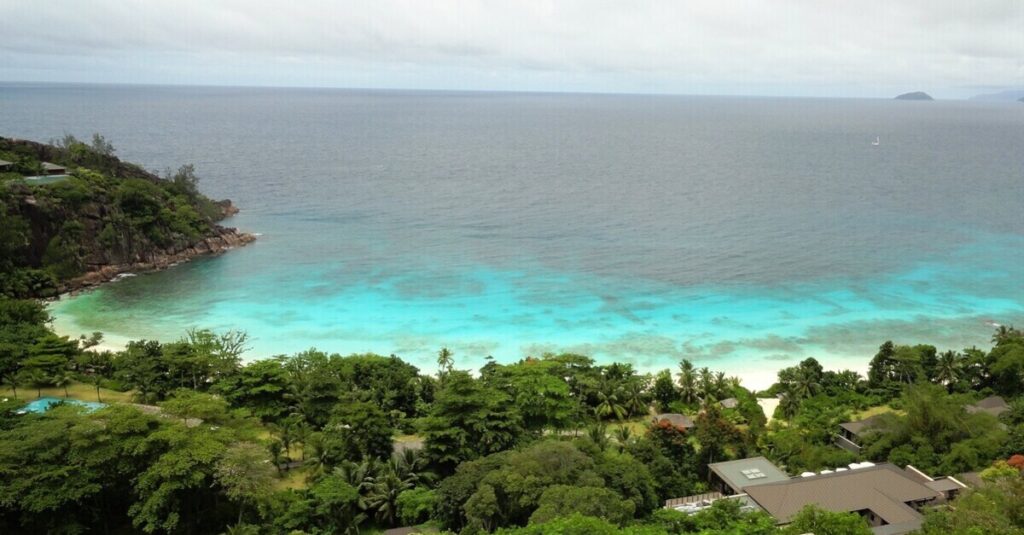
(745, 473)
(859, 426)
(993, 405)
(945, 484)
(884, 489)
(677, 420)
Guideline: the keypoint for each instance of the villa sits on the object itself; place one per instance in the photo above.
(890, 499)
(993, 405)
(53, 169)
(679, 421)
(851, 433)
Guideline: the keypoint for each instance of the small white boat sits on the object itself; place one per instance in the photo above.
(877, 141)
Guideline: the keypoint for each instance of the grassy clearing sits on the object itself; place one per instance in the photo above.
(874, 411)
(79, 391)
(293, 479)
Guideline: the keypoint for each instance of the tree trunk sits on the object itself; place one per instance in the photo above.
(65, 391)
(98, 393)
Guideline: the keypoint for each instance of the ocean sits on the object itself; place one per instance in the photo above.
(744, 234)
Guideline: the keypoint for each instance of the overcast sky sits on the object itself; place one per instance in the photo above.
(950, 48)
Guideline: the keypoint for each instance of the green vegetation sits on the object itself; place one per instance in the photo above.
(556, 444)
(106, 213)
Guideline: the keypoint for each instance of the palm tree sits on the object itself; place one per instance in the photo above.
(445, 362)
(37, 379)
(623, 434)
(790, 405)
(360, 475)
(1002, 333)
(598, 434)
(411, 467)
(706, 384)
(948, 369)
(62, 380)
(608, 403)
(804, 385)
(634, 399)
(688, 390)
(383, 496)
(721, 384)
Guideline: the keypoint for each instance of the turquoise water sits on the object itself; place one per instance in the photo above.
(43, 404)
(744, 234)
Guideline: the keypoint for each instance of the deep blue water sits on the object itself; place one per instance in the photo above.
(743, 233)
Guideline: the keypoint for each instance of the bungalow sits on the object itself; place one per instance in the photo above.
(53, 169)
(888, 498)
(5, 165)
(851, 433)
(729, 403)
(993, 405)
(679, 421)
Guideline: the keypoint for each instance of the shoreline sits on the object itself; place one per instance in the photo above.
(752, 378)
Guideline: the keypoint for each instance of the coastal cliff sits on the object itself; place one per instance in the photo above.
(73, 215)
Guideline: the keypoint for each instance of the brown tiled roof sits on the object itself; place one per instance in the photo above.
(884, 489)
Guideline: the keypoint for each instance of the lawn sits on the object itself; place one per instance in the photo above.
(874, 411)
(79, 391)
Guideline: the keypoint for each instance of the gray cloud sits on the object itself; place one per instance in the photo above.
(800, 46)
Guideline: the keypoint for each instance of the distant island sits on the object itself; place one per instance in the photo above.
(916, 95)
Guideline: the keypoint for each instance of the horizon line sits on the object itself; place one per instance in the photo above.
(449, 90)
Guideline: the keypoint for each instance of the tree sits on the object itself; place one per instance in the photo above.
(445, 362)
(665, 392)
(383, 496)
(714, 433)
(688, 390)
(62, 380)
(466, 421)
(563, 500)
(337, 505)
(415, 505)
(245, 474)
(358, 431)
(812, 519)
(948, 369)
(609, 402)
(187, 404)
(994, 508)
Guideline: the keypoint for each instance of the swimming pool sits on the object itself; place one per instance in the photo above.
(42, 405)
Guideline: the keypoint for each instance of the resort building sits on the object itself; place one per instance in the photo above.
(53, 169)
(5, 165)
(887, 497)
(850, 434)
(729, 403)
(993, 405)
(679, 421)
(734, 477)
